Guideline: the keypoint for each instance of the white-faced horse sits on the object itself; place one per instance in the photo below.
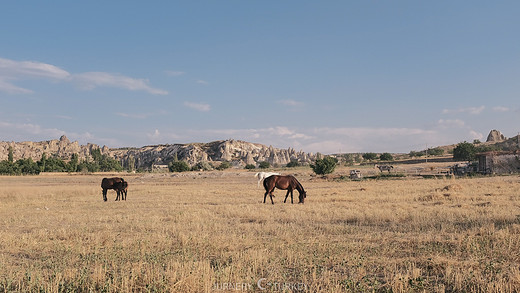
(262, 175)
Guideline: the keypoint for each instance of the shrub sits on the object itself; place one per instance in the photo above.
(250, 166)
(435, 152)
(178, 166)
(369, 156)
(264, 165)
(386, 157)
(204, 166)
(324, 166)
(293, 164)
(416, 154)
(224, 165)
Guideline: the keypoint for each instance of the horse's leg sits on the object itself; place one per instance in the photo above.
(286, 196)
(104, 194)
(118, 194)
(124, 193)
(292, 197)
(271, 195)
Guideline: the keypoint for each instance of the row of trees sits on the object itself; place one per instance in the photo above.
(98, 163)
(464, 151)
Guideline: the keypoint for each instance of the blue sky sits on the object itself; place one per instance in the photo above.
(318, 76)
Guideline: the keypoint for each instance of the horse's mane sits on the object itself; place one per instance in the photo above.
(298, 183)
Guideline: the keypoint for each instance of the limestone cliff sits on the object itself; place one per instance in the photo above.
(239, 153)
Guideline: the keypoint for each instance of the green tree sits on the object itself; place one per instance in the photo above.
(416, 154)
(42, 162)
(293, 164)
(178, 166)
(464, 151)
(386, 157)
(96, 155)
(131, 163)
(324, 166)
(224, 165)
(27, 167)
(8, 168)
(72, 165)
(264, 165)
(52, 164)
(10, 156)
(88, 166)
(369, 156)
(250, 166)
(436, 151)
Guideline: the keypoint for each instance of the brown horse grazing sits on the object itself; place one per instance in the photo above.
(116, 183)
(288, 183)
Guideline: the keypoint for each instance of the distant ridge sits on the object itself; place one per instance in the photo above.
(239, 153)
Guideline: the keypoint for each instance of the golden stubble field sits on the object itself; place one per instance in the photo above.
(210, 232)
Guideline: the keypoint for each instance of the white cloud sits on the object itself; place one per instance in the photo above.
(291, 103)
(203, 82)
(11, 71)
(20, 69)
(12, 89)
(174, 73)
(134, 116)
(501, 109)
(198, 106)
(470, 110)
(155, 135)
(22, 130)
(91, 80)
(450, 123)
(476, 135)
(284, 132)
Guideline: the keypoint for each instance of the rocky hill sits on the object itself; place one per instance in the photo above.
(239, 153)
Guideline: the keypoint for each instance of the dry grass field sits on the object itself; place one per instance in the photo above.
(210, 232)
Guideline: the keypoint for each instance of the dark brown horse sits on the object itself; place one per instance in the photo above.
(117, 184)
(288, 183)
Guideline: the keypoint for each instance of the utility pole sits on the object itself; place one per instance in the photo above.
(426, 152)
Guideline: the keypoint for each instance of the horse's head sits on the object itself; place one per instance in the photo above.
(302, 197)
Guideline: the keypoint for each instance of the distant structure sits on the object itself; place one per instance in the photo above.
(503, 162)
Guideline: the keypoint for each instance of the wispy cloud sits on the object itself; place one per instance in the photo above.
(451, 123)
(501, 109)
(10, 88)
(91, 80)
(202, 107)
(203, 82)
(134, 116)
(174, 73)
(12, 71)
(21, 69)
(470, 110)
(21, 129)
(291, 104)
